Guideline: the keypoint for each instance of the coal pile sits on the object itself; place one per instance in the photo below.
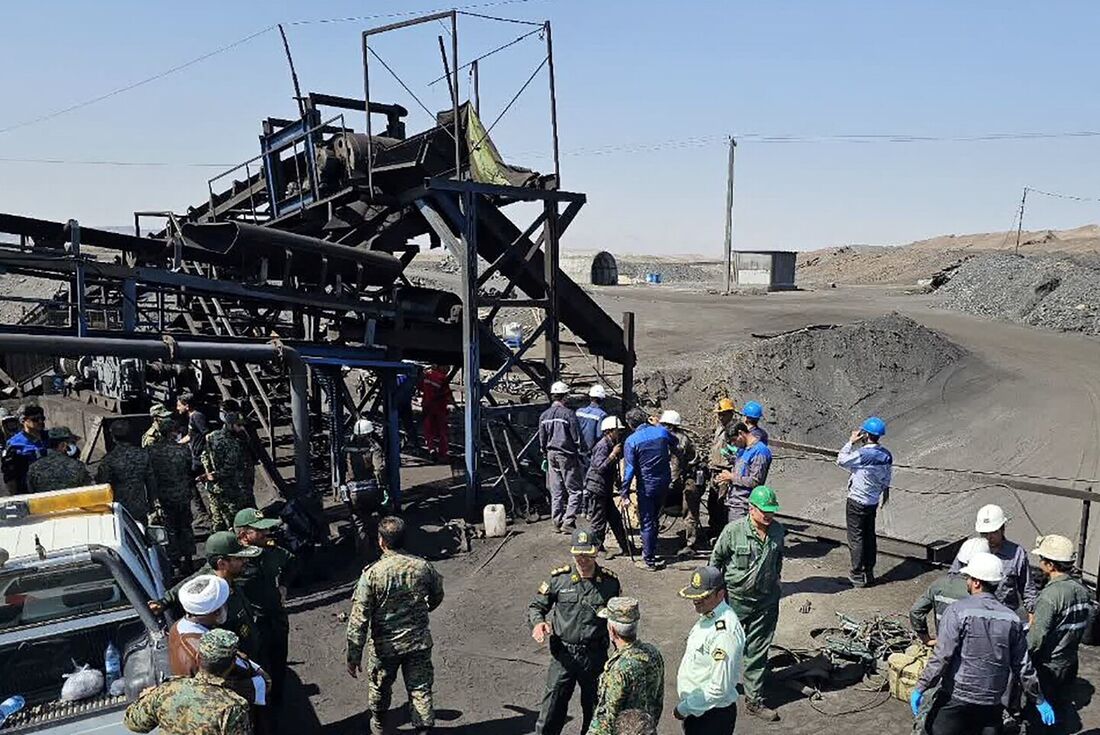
(811, 381)
(1051, 293)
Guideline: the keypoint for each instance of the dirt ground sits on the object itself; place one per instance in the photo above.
(490, 674)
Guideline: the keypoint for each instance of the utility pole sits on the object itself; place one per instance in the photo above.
(1020, 224)
(729, 218)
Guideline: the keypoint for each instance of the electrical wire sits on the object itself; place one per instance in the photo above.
(69, 162)
(1056, 195)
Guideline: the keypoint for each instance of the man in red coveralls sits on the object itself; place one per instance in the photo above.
(435, 395)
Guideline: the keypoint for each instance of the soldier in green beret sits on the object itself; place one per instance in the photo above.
(634, 676)
(563, 612)
(199, 705)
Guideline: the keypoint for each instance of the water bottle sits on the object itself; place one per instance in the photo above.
(112, 661)
(10, 706)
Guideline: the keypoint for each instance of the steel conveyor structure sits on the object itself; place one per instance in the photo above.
(306, 244)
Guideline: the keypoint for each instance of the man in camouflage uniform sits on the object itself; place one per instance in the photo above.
(391, 603)
(264, 583)
(171, 463)
(634, 676)
(199, 705)
(225, 460)
(225, 558)
(563, 613)
(59, 469)
(129, 472)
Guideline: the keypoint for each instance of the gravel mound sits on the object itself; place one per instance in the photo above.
(813, 380)
(1050, 293)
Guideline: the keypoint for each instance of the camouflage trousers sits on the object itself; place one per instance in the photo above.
(176, 517)
(416, 669)
(223, 503)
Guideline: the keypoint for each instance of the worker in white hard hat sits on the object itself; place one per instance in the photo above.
(562, 445)
(589, 419)
(1061, 616)
(363, 489)
(1017, 587)
(601, 481)
(944, 591)
(980, 645)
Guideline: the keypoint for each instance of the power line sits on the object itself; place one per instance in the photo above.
(134, 164)
(1056, 195)
(412, 13)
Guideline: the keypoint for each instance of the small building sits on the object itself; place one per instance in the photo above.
(770, 269)
(600, 269)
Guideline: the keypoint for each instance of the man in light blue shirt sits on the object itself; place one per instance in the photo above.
(711, 667)
(871, 466)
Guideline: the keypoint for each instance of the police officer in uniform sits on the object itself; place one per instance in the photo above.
(563, 612)
(711, 668)
(1061, 616)
(750, 554)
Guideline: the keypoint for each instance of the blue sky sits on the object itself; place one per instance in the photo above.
(633, 79)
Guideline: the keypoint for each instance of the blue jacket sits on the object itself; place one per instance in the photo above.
(589, 418)
(19, 453)
(647, 453)
(872, 470)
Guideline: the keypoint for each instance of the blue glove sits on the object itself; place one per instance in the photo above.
(1046, 712)
(914, 701)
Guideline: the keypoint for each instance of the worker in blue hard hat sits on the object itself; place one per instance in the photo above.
(871, 466)
(753, 412)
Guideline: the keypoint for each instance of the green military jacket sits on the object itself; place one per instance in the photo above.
(224, 457)
(941, 593)
(261, 580)
(171, 464)
(57, 471)
(633, 678)
(130, 474)
(752, 565)
(239, 617)
(1061, 615)
(569, 603)
(391, 603)
(198, 705)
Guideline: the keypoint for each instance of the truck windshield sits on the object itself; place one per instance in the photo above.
(35, 596)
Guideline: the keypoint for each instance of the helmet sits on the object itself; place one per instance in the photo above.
(672, 418)
(752, 410)
(971, 547)
(1054, 548)
(724, 405)
(611, 422)
(984, 566)
(764, 498)
(597, 391)
(363, 427)
(874, 425)
(990, 518)
(559, 389)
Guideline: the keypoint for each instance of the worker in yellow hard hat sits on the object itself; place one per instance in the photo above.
(724, 412)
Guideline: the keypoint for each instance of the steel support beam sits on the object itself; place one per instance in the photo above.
(934, 552)
(471, 352)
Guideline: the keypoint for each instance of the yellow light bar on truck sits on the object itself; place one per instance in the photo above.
(86, 499)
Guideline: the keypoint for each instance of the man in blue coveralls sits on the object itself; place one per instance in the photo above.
(647, 452)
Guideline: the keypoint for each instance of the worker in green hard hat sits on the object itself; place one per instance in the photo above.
(749, 551)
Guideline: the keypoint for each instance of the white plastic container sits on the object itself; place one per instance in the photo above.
(496, 522)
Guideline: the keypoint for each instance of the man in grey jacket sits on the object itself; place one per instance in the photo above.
(561, 444)
(1017, 588)
(979, 646)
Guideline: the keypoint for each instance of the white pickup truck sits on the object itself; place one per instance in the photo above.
(77, 573)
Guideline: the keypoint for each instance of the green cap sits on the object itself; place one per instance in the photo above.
(621, 610)
(764, 498)
(61, 433)
(252, 518)
(584, 542)
(218, 645)
(224, 543)
(704, 581)
(160, 411)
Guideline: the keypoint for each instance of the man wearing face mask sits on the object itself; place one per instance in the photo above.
(59, 469)
(204, 599)
(225, 461)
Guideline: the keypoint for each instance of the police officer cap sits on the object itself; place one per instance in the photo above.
(621, 610)
(218, 645)
(704, 581)
(584, 542)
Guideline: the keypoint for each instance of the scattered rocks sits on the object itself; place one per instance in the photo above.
(1051, 293)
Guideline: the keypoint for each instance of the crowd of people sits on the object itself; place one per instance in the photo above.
(1004, 647)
